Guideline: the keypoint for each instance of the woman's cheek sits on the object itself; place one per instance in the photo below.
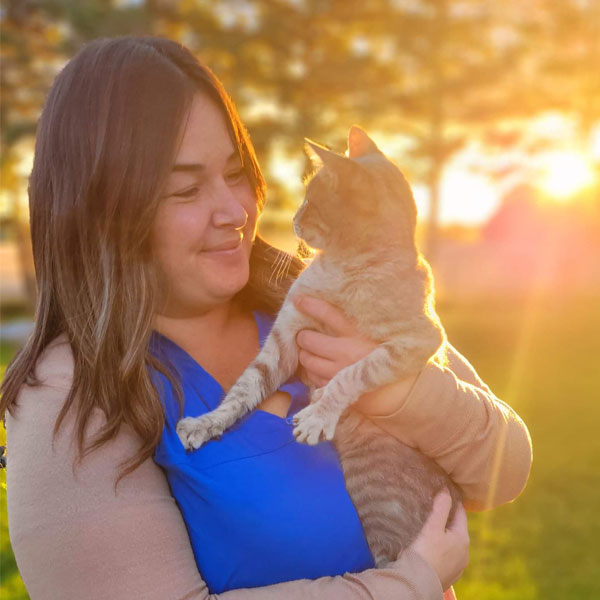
(177, 237)
(183, 225)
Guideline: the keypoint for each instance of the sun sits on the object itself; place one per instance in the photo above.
(565, 173)
(467, 198)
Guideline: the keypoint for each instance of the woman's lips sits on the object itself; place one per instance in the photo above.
(225, 248)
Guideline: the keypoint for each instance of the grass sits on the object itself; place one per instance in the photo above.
(542, 356)
(11, 586)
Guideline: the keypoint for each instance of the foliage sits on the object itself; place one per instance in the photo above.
(436, 71)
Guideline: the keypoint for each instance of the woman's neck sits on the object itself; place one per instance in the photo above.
(223, 340)
(214, 322)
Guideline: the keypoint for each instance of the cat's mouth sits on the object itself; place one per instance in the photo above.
(314, 234)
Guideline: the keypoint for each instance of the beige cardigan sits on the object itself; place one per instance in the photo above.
(74, 538)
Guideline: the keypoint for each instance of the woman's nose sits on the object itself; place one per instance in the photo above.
(229, 211)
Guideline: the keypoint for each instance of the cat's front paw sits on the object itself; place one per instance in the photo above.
(195, 431)
(313, 423)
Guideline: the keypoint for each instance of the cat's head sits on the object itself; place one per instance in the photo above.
(360, 200)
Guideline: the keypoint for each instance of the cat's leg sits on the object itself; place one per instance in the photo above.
(274, 364)
(391, 361)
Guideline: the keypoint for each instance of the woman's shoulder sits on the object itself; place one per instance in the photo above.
(55, 365)
(45, 483)
(74, 534)
(38, 457)
(38, 404)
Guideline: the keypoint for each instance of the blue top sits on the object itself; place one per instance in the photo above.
(259, 507)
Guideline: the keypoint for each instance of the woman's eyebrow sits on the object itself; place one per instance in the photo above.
(188, 167)
(195, 167)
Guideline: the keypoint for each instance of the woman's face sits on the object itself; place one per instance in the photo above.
(206, 222)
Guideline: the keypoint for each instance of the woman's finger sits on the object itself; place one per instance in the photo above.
(331, 317)
(316, 366)
(344, 351)
(438, 518)
(318, 382)
(459, 521)
(318, 343)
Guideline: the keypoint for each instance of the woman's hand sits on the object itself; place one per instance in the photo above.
(339, 344)
(446, 549)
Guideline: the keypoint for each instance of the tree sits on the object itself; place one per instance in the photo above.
(438, 72)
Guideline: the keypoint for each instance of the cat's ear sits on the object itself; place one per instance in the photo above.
(321, 155)
(311, 152)
(359, 143)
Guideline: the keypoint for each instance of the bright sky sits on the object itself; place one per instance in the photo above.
(465, 197)
(469, 196)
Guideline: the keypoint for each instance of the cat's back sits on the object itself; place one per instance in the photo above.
(391, 484)
(379, 289)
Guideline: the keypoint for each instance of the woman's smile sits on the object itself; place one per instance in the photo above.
(225, 248)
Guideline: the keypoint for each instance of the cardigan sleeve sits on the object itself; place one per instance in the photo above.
(74, 536)
(453, 417)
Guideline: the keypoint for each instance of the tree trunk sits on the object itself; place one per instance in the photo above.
(436, 136)
(25, 254)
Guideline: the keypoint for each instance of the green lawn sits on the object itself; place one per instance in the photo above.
(541, 356)
(11, 586)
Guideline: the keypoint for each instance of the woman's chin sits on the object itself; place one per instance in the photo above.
(229, 284)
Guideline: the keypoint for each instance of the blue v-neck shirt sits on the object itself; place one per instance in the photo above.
(259, 507)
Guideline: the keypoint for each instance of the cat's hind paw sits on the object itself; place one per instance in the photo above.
(314, 423)
(195, 431)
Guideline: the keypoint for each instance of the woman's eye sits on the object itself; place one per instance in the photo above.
(236, 176)
(189, 193)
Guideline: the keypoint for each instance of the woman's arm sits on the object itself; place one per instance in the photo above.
(409, 578)
(74, 538)
(451, 416)
(448, 413)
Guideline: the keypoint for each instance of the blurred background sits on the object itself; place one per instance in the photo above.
(492, 110)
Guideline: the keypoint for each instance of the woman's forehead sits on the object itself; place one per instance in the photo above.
(205, 140)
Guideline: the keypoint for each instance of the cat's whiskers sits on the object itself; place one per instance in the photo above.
(280, 267)
(284, 266)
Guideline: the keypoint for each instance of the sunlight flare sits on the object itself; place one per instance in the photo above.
(565, 173)
(595, 143)
(467, 198)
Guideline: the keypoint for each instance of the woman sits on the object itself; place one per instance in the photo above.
(154, 295)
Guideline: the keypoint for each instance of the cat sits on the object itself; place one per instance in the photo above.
(360, 216)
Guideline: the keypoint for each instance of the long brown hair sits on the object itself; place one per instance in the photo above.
(106, 141)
